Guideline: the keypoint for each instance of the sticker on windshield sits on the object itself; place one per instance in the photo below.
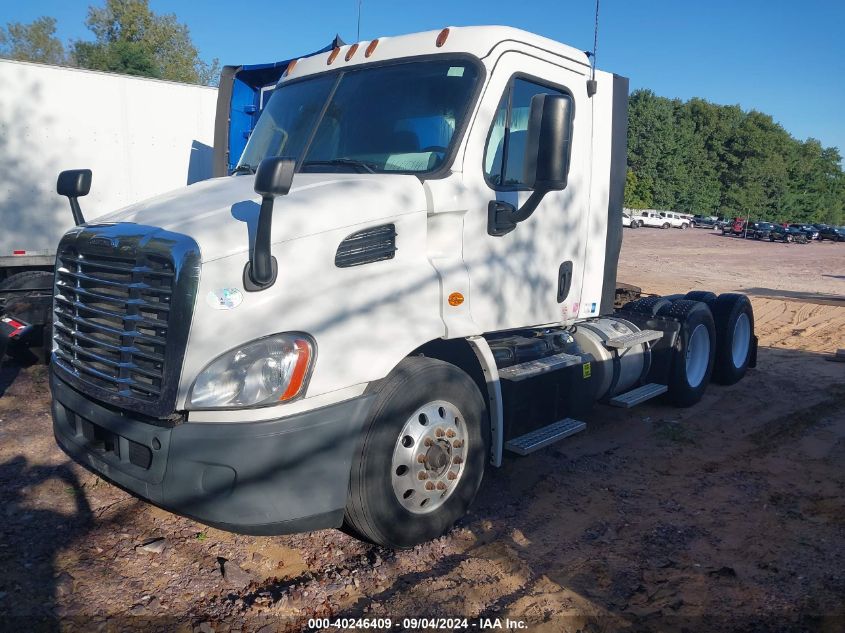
(456, 71)
(224, 298)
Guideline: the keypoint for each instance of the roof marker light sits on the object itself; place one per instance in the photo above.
(352, 50)
(371, 48)
(441, 37)
(332, 56)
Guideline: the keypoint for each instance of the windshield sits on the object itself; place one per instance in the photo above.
(398, 118)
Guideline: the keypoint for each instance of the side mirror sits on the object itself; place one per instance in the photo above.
(273, 178)
(548, 146)
(548, 143)
(74, 183)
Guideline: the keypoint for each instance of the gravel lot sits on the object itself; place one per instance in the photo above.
(726, 516)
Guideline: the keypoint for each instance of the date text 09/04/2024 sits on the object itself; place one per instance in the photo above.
(417, 623)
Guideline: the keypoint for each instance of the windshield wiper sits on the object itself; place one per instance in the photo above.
(343, 161)
(244, 168)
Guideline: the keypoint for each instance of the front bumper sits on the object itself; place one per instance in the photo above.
(273, 477)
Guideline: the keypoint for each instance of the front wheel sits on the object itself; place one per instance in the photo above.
(684, 226)
(665, 225)
(787, 239)
(421, 457)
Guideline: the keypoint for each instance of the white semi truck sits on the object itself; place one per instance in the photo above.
(411, 272)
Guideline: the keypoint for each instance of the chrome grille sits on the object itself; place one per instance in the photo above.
(118, 304)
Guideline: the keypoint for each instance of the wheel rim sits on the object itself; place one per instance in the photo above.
(741, 340)
(698, 355)
(429, 457)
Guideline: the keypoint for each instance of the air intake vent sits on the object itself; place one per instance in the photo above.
(370, 245)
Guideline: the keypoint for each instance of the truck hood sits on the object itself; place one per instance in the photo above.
(222, 214)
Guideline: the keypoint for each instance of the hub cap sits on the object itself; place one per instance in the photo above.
(741, 340)
(698, 355)
(429, 457)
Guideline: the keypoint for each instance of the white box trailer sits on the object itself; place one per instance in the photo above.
(140, 136)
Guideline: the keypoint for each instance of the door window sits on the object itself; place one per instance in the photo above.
(505, 152)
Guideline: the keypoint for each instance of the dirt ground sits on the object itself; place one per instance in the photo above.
(728, 516)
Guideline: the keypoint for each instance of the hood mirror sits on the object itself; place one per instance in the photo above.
(74, 183)
(273, 178)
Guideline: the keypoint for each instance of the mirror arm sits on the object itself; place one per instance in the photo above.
(529, 207)
(76, 211)
(262, 268)
(503, 217)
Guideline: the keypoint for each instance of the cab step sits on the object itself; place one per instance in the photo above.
(634, 338)
(535, 440)
(533, 368)
(640, 394)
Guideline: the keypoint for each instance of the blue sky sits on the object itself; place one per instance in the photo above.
(785, 58)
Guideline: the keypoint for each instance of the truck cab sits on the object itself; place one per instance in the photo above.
(323, 338)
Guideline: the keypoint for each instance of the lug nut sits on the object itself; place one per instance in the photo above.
(439, 432)
(429, 485)
(457, 460)
(421, 459)
(457, 443)
(441, 485)
(452, 476)
(451, 433)
(423, 475)
(427, 442)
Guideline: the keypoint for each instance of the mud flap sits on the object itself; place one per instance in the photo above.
(11, 330)
(752, 362)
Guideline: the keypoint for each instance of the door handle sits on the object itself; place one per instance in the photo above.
(564, 281)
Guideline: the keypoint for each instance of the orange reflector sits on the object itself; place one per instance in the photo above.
(456, 299)
(291, 66)
(352, 50)
(332, 56)
(298, 377)
(371, 48)
(441, 37)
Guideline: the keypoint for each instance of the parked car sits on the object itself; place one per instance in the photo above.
(833, 233)
(787, 234)
(676, 220)
(626, 221)
(654, 219)
(706, 222)
(760, 230)
(811, 232)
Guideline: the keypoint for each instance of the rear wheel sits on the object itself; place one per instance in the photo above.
(787, 239)
(734, 320)
(684, 225)
(421, 458)
(633, 224)
(705, 296)
(693, 354)
(647, 305)
(665, 225)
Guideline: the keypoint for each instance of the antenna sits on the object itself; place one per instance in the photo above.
(592, 86)
(358, 38)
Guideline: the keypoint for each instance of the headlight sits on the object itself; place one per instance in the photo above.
(267, 371)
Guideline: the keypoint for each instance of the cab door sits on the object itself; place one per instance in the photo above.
(531, 275)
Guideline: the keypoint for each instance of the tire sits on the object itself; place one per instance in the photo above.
(34, 281)
(787, 239)
(665, 225)
(633, 224)
(694, 352)
(705, 296)
(734, 319)
(684, 226)
(647, 305)
(418, 389)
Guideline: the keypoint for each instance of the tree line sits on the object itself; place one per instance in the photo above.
(128, 38)
(699, 157)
